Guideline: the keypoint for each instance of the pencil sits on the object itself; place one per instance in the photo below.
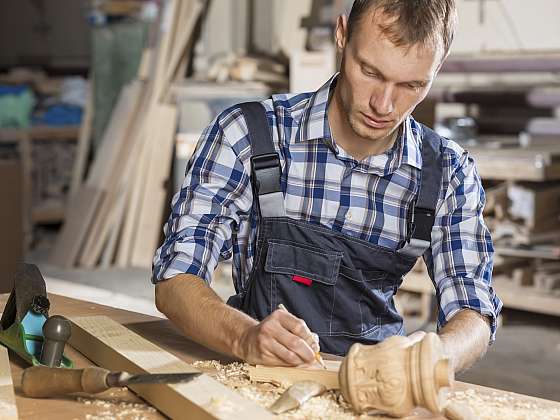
(318, 357)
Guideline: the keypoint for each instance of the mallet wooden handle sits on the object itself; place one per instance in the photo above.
(44, 382)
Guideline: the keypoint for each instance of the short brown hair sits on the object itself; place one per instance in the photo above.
(425, 22)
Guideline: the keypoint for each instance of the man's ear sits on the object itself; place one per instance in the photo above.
(341, 33)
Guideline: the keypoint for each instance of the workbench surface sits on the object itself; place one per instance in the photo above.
(123, 404)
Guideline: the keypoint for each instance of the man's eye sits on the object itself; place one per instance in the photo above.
(370, 74)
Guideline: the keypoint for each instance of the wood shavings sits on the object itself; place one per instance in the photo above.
(331, 405)
(503, 406)
(110, 410)
(235, 375)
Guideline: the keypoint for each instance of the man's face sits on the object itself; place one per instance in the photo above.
(380, 84)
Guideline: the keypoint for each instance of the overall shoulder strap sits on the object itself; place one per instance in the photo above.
(423, 215)
(265, 162)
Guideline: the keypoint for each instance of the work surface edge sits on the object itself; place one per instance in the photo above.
(164, 334)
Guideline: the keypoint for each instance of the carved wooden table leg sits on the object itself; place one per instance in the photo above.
(395, 377)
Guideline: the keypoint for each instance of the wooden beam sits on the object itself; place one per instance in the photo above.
(83, 143)
(154, 201)
(8, 406)
(81, 207)
(113, 346)
(287, 375)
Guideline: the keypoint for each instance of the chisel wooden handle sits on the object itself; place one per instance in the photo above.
(44, 382)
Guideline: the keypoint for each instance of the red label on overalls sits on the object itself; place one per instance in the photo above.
(302, 280)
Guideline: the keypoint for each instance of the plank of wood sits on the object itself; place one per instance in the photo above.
(114, 347)
(107, 155)
(164, 47)
(155, 194)
(74, 231)
(188, 16)
(83, 143)
(287, 375)
(136, 194)
(114, 169)
(8, 408)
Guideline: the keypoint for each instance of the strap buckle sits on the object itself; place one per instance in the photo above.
(266, 171)
(420, 234)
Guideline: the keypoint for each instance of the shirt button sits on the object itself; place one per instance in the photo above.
(349, 215)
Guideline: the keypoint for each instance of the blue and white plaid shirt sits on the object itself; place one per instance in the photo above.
(213, 215)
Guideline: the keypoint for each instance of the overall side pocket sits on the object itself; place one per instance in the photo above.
(303, 279)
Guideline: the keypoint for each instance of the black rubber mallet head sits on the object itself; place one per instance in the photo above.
(56, 332)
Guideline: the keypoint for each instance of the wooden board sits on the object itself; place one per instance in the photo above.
(114, 347)
(83, 143)
(154, 199)
(286, 375)
(108, 153)
(116, 403)
(8, 408)
(82, 207)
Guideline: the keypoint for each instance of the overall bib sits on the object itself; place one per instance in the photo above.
(342, 287)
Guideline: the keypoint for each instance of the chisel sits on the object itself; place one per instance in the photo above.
(45, 382)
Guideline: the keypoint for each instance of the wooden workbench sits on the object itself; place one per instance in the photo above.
(160, 331)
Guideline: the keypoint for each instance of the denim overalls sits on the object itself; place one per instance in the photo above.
(341, 286)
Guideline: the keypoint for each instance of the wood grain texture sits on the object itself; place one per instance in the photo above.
(8, 408)
(84, 140)
(82, 207)
(161, 332)
(287, 375)
(154, 200)
(114, 347)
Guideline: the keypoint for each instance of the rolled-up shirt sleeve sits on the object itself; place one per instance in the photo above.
(214, 196)
(460, 259)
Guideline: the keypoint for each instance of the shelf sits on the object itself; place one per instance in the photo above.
(45, 133)
(48, 213)
(517, 164)
(514, 297)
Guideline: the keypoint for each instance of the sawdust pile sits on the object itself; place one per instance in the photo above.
(503, 406)
(331, 405)
(117, 410)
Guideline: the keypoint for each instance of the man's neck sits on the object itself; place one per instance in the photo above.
(343, 135)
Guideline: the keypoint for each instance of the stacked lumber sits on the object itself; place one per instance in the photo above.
(525, 220)
(114, 217)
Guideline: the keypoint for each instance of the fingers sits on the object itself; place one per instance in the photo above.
(298, 327)
(281, 339)
(296, 344)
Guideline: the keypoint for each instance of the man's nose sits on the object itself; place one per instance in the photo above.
(382, 100)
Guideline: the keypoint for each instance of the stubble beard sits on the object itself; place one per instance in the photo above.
(359, 128)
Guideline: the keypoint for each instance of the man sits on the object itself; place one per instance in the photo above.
(332, 211)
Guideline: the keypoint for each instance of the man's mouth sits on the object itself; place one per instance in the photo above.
(376, 123)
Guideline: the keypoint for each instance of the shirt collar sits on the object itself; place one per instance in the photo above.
(314, 124)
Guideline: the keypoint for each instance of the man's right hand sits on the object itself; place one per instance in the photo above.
(281, 339)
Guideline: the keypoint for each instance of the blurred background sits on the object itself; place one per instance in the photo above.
(102, 103)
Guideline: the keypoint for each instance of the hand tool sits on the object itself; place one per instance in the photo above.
(317, 354)
(45, 382)
(296, 395)
(56, 331)
(23, 318)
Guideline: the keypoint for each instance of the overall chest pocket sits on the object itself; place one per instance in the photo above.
(312, 283)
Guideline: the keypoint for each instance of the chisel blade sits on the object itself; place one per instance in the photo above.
(158, 378)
